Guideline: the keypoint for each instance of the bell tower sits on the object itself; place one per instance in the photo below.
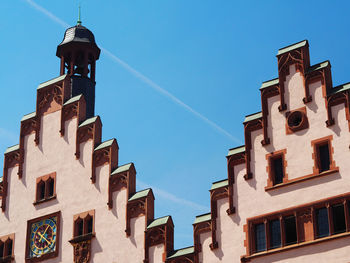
(78, 53)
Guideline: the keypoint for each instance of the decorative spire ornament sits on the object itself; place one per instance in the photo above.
(79, 17)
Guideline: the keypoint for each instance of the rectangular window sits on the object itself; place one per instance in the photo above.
(275, 233)
(45, 188)
(290, 230)
(324, 159)
(84, 224)
(6, 248)
(277, 164)
(260, 237)
(313, 222)
(322, 222)
(339, 225)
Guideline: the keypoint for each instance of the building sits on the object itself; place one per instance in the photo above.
(65, 197)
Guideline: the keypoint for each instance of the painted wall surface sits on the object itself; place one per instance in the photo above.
(75, 194)
(250, 197)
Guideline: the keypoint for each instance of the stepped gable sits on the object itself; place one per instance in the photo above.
(75, 179)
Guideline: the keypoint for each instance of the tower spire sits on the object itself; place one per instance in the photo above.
(79, 16)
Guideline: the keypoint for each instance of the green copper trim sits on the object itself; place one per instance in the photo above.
(182, 252)
(72, 100)
(122, 168)
(319, 66)
(105, 144)
(159, 222)
(219, 184)
(340, 88)
(292, 47)
(269, 83)
(88, 121)
(28, 116)
(202, 218)
(79, 17)
(140, 194)
(252, 117)
(233, 151)
(52, 81)
(12, 148)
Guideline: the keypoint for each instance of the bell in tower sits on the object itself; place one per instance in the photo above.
(78, 53)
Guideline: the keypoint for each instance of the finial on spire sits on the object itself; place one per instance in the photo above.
(79, 17)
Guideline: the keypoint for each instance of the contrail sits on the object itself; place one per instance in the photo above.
(47, 13)
(142, 77)
(173, 198)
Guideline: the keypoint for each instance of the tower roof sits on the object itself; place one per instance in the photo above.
(78, 35)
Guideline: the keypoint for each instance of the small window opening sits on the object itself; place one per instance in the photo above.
(79, 227)
(275, 233)
(278, 170)
(290, 230)
(324, 160)
(1, 249)
(9, 247)
(41, 190)
(295, 119)
(322, 222)
(89, 224)
(51, 187)
(260, 237)
(339, 225)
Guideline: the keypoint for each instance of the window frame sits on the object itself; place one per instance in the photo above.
(5, 257)
(44, 181)
(83, 217)
(316, 144)
(301, 212)
(271, 157)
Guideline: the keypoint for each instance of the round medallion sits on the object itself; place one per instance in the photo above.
(43, 237)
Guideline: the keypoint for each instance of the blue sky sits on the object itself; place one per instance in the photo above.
(174, 81)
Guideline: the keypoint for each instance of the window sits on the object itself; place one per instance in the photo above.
(45, 188)
(323, 158)
(260, 237)
(290, 230)
(338, 212)
(298, 226)
(275, 233)
(6, 248)
(322, 222)
(83, 232)
(84, 224)
(276, 168)
(322, 155)
(296, 120)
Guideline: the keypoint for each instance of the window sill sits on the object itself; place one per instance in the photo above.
(43, 257)
(301, 179)
(6, 259)
(44, 200)
(282, 249)
(82, 238)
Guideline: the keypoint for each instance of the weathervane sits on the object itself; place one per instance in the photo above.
(79, 17)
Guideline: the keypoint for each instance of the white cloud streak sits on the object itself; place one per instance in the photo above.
(47, 13)
(168, 95)
(142, 77)
(173, 198)
(159, 192)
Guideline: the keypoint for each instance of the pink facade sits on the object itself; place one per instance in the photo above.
(286, 197)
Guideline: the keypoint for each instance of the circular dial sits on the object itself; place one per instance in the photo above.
(43, 237)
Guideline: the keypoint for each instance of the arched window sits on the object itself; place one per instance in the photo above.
(45, 188)
(84, 224)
